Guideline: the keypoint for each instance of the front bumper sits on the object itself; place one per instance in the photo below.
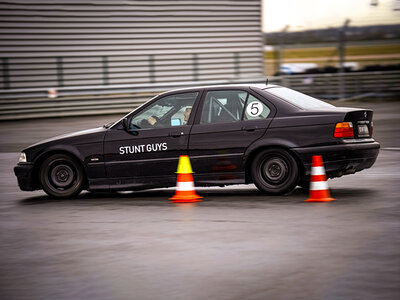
(24, 173)
(341, 159)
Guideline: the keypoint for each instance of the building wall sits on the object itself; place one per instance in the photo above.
(103, 42)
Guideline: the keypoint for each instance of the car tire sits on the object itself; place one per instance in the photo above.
(61, 176)
(275, 171)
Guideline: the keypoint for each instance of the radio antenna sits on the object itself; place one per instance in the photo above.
(266, 82)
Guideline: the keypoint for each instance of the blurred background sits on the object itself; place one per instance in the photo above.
(314, 36)
(71, 58)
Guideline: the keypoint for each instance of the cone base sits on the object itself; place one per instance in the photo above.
(187, 199)
(319, 200)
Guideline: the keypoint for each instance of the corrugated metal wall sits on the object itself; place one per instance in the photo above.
(68, 43)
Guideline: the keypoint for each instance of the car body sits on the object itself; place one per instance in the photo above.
(234, 134)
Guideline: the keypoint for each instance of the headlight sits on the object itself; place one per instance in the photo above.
(22, 158)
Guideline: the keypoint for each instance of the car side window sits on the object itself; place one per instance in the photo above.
(223, 106)
(173, 110)
(255, 109)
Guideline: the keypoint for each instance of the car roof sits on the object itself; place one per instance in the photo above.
(222, 86)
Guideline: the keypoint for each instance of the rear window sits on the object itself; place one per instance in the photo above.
(299, 99)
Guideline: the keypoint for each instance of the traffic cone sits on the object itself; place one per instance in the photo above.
(319, 190)
(185, 186)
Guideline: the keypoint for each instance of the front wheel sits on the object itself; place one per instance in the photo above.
(61, 176)
(275, 171)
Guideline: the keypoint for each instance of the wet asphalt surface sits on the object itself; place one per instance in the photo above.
(236, 244)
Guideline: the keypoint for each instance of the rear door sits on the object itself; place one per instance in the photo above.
(227, 122)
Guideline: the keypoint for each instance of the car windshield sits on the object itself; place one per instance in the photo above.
(299, 99)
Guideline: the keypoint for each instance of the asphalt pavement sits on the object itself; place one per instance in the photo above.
(235, 244)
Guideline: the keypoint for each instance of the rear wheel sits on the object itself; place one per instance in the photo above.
(61, 176)
(275, 171)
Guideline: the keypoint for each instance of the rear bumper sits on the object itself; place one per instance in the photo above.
(341, 159)
(24, 173)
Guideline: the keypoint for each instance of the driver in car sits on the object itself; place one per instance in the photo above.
(186, 114)
(151, 121)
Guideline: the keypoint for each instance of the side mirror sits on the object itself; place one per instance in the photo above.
(127, 127)
(125, 123)
(176, 122)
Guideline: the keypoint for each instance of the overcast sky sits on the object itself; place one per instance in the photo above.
(315, 14)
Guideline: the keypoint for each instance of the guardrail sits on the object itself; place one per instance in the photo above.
(94, 100)
(358, 84)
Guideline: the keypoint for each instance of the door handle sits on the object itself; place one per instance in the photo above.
(249, 127)
(176, 134)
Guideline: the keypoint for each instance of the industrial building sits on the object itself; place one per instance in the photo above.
(60, 43)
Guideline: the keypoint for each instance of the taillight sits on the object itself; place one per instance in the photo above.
(344, 130)
(372, 128)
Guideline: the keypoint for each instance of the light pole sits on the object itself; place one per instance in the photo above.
(341, 51)
(281, 45)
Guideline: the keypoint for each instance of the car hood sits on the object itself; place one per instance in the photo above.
(75, 134)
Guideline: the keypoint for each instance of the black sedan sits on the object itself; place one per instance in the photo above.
(233, 134)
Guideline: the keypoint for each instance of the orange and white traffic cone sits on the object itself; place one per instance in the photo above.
(185, 186)
(319, 190)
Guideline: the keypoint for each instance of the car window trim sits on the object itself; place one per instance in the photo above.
(245, 105)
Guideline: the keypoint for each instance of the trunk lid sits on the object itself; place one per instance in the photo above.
(362, 122)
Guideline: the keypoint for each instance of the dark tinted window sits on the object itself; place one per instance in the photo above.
(173, 110)
(255, 109)
(230, 105)
(299, 99)
(223, 106)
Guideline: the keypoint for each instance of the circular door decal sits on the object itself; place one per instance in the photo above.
(254, 109)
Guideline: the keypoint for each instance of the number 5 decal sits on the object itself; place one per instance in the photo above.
(254, 109)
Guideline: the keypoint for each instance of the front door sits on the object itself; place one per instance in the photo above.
(147, 153)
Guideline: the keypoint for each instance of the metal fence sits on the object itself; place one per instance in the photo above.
(118, 99)
(354, 85)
